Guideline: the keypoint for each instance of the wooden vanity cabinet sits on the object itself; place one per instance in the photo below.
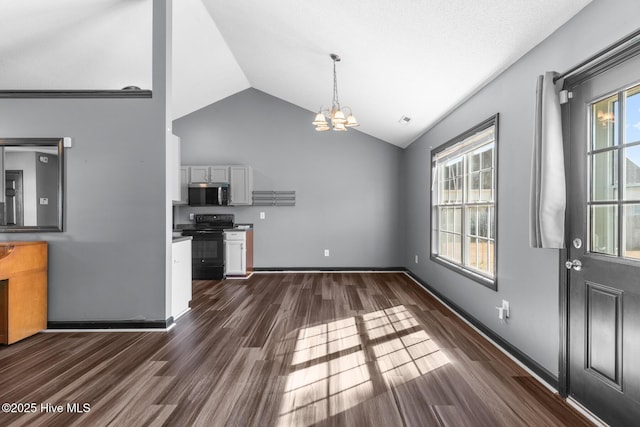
(23, 290)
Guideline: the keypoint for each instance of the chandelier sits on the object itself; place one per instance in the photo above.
(336, 114)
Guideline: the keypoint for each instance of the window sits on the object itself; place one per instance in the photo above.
(614, 168)
(463, 199)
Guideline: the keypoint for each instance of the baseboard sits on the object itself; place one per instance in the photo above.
(111, 324)
(531, 364)
(328, 269)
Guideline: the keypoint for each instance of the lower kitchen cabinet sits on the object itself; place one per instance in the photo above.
(238, 253)
(180, 277)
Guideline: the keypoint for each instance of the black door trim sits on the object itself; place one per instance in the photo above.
(605, 59)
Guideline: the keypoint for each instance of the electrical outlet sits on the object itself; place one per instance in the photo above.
(503, 310)
(416, 259)
(191, 216)
(505, 307)
(262, 215)
(326, 252)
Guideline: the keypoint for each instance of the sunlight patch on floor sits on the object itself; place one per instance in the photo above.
(330, 370)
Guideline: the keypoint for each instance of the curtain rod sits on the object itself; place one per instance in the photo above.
(598, 55)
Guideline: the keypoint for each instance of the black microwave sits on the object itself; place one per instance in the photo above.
(211, 194)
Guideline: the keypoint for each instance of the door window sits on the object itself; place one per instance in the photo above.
(614, 158)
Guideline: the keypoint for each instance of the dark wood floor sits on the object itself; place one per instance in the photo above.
(304, 349)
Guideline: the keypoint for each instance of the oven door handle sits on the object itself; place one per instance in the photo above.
(202, 232)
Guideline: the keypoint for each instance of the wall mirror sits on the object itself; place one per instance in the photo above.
(31, 184)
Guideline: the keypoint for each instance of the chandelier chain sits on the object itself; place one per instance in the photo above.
(336, 101)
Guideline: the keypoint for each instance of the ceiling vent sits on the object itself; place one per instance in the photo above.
(404, 120)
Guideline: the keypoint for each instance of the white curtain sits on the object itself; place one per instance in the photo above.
(548, 194)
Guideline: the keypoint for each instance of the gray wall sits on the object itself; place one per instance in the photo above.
(109, 263)
(528, 278)
(347, 183)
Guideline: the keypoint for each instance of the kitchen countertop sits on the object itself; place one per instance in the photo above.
(243, 226)
(180, 227)
(181, 239)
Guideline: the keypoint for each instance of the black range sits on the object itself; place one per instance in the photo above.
(208, 244)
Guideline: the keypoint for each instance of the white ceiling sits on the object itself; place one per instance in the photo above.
(75, 44)
(418, 58)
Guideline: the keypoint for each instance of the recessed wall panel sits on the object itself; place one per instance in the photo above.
(604, 311)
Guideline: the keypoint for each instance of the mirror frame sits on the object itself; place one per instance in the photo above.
(39, 142)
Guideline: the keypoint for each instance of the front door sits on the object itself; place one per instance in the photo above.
(604, 244)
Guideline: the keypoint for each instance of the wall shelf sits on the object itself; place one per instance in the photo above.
(274, 198)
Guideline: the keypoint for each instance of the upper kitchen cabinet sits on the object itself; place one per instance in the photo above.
(208, 174)
(219, 173)
(198, 174)
(184, 183)
(241, 183)
(178, 192)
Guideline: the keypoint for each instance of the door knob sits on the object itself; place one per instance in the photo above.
(575, 264)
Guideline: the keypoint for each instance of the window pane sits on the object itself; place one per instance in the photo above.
(457, 244)
(483, 222)
(443, 244)
(473, 194)
(604, 130)
(604, 173)
(471, 215)
(604, 229)
(632, 115)
(631, 231)
(483, 255)
(487, 159)
(632, 173)
(457, 220)
(474, 162)
(473, 252)
(486, 182)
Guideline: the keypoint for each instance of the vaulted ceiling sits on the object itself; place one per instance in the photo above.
(417, 58)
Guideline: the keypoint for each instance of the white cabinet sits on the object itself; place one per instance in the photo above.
(176, 193)
(219, 173)
(235, 258)
(184, 183)
(238, 256)
(180, 277)
(241, 183)
(198, 174)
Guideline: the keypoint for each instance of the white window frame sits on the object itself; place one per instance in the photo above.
(458, 151)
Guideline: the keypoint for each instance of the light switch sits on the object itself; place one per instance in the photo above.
(262, 215)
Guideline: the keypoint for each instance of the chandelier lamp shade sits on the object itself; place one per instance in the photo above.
(334, 117)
